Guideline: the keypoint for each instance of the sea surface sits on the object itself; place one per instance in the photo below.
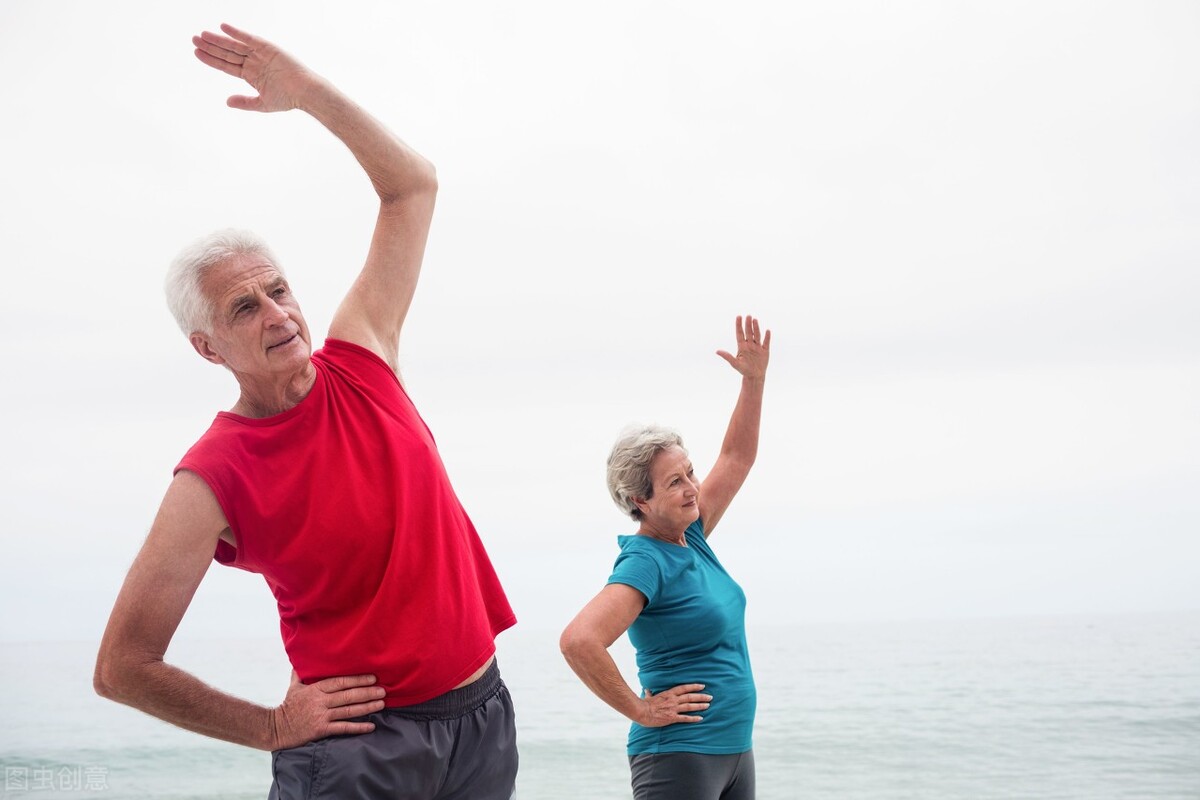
(1047, 707)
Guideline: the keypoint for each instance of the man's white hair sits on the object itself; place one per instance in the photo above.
(192, 309)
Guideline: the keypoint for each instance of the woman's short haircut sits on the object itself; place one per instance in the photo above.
(193, 311)
(629, 464)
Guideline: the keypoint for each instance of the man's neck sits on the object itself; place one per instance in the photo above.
(261, 398)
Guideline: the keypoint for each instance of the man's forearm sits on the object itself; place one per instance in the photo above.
(395, 169)
(182, 699)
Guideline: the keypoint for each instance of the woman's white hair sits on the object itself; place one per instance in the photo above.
(193, 311)
(629, 464)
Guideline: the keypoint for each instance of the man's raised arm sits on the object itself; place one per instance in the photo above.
(374, 309)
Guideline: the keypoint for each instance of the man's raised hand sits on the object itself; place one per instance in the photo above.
(280, 80)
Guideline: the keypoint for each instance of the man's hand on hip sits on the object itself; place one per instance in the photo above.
(314, 711)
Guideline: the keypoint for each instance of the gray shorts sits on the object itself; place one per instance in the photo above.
(694, 776)
(458, 746)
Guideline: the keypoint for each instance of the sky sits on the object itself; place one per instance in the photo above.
(971, 228)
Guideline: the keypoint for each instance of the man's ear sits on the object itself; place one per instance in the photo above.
(203, 346)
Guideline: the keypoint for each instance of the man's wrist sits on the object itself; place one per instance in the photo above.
(270, 731)
(317, 97)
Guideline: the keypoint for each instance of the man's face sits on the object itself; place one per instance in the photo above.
(257, 327)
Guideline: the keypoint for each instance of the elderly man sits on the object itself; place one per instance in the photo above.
(323, 478)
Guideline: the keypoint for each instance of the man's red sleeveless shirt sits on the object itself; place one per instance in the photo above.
(344, 506)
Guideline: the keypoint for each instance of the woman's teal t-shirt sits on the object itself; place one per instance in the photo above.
(692, 630)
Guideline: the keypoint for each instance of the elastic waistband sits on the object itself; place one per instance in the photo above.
(456, 702)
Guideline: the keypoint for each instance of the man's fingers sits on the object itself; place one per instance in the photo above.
(244, 102)
(348, 728)
(348, 697)
(340, 683)
(221, 46)
(355, 709)
(219, 63)
(242, 36)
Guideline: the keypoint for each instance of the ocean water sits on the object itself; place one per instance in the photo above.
(1065, 707)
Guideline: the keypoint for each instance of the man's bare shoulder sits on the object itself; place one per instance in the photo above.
(190, 511)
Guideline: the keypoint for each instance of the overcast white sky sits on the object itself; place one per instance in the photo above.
(972, 229)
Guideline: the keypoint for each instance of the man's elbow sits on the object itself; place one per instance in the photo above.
(419, 184)
(113, 676)
(429, 176)
(103, 680)
(424, 180)
(564, 641)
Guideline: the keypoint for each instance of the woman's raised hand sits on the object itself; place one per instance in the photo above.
(753, 349)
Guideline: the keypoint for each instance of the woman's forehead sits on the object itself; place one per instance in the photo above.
(669, 460)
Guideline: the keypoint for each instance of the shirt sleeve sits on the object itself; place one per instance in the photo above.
(640, 571)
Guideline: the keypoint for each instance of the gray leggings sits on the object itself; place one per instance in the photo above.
(693, 776)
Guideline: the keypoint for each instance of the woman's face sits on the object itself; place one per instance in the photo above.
(675, 503)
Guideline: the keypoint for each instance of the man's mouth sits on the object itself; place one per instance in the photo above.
(285, 341)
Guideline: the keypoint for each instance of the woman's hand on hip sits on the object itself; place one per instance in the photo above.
(672, 706)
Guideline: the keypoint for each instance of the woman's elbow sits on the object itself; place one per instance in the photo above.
(566, 642)
(573, 643)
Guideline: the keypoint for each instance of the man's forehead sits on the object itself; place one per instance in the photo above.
(240, 274)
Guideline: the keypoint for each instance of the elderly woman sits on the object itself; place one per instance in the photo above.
(683, 612)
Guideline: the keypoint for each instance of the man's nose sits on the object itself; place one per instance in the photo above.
(275, 313)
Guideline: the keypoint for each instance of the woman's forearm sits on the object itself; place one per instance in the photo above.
(595, 667)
